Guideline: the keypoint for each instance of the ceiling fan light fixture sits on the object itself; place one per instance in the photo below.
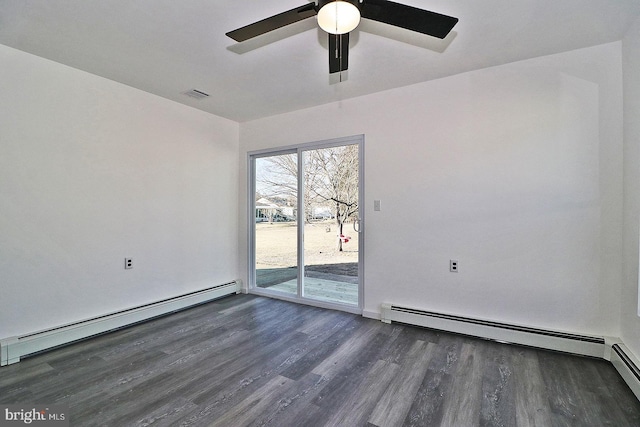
(338, 17)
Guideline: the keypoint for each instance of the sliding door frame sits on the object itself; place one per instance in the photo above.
(299, 149)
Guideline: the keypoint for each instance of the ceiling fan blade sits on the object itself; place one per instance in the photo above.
(408, 17)
(338, 52)
(273, 23)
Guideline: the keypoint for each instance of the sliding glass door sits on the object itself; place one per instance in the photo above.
(306, 226)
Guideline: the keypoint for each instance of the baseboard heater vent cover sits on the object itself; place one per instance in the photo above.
(623, 360)
(515, 334)
(13, 348)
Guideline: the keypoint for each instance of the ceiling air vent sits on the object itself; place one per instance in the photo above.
(197, 94)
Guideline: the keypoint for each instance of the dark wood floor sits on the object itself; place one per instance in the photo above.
(245, 360)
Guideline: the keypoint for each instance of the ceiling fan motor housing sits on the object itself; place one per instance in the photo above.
(322, 3)
(339, 16)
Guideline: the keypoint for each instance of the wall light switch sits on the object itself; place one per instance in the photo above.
(376, 205)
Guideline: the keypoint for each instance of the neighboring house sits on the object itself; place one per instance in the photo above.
(268, 211)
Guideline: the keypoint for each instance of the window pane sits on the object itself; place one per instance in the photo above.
(331, 212)
(276, 202)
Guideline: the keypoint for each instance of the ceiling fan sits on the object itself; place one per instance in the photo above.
(339, 17)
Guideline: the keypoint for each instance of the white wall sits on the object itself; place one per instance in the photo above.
(630, 323)
(91, 172)
(516, 171)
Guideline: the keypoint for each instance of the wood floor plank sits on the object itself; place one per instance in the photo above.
(235, 384)
(253, 408)
(30, 369)
(498, 397)
(405, 340)
(293, 405)
(304, 414)
(591, 397)
(167, 414)
(531, 402)
(593, 390)
(618, 390)
(357, 406)
(310, 360)
(340, 361)
(348, 381)
(463, 403)
(349, 349)
(564, 405)
(427, 408)
(318, 324)
(394, 404)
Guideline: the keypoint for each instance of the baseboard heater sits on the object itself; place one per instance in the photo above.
(626, 364)
(14, 348)
(533, 337)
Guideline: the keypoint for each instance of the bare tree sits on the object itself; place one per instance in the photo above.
(335, 180)
(280, 178)
(330, 176)
(280, 181)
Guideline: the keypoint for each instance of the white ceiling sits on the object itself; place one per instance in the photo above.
(167, 47)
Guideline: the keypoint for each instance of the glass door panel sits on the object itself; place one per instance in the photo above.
(331, 196)
(276, 223)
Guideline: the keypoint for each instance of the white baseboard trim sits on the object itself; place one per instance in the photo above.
(371, 315)
(14, 348)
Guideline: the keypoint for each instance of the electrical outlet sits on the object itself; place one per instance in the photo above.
(128, 263)
(453, 265)
(376, 205)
